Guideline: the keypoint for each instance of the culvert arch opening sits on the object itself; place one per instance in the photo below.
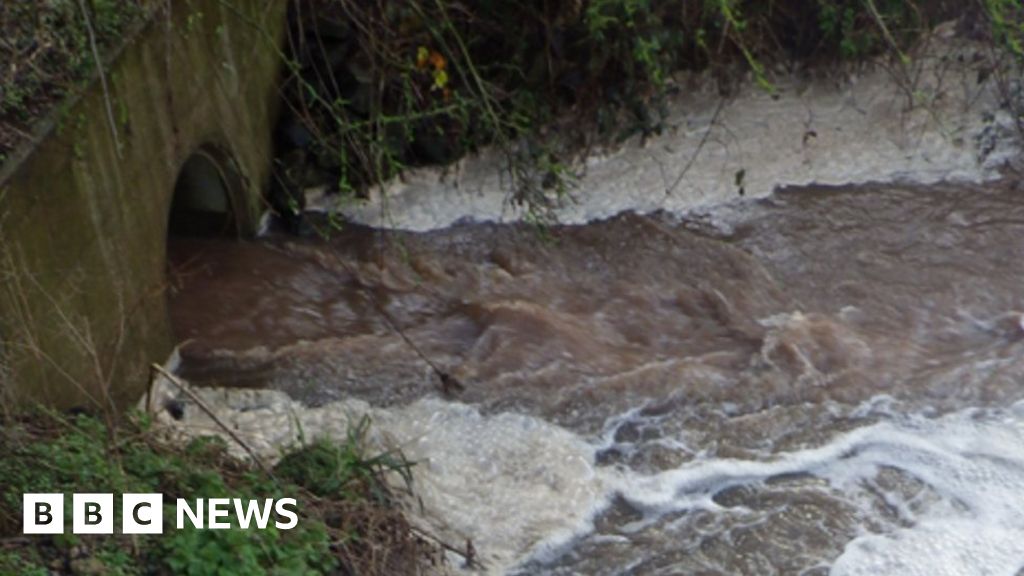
(203, 204)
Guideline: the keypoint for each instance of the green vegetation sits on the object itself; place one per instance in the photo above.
(46, 53)
(1006, 25)
(348, 523)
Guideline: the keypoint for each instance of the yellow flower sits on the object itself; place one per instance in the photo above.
(440, 80)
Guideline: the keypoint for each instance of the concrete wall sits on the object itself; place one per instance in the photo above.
(83, 221)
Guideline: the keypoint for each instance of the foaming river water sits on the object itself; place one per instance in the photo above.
(823, 381)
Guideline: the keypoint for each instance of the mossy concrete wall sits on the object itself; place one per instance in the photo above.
(84, 213)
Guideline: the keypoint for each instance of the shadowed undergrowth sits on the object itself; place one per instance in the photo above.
(47, 53)
(348, 519)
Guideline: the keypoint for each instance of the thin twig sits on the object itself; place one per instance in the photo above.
(103, 77)
(449, 383)
(469, 553)
(885, 29)
(202, 405)
(700, 146)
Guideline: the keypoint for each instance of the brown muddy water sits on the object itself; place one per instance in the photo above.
(823, 381)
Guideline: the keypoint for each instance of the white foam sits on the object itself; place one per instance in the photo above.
(513, 484)
(973, 461)
(856, 131)
(523, 488)
(977, 467)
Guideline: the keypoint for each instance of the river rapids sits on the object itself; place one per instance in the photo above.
(819, 380)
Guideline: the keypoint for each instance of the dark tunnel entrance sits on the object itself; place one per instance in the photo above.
(202, 205)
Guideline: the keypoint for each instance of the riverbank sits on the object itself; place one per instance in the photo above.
(347, 516)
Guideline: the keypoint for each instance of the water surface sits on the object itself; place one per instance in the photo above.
(821, 381)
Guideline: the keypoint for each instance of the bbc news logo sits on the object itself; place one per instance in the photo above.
(144, 513)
